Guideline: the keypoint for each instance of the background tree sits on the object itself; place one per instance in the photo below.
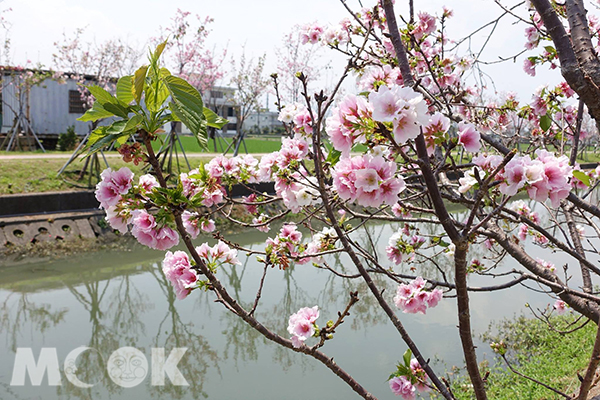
(93, 63)
(249, 82)
(293, 56)
(189, 56)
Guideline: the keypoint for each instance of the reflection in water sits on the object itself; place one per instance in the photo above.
(134, 305)
(17, 310)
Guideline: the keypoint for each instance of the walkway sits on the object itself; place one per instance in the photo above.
(66, 156)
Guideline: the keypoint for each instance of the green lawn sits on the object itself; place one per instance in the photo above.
(253, 144)
(538, 352)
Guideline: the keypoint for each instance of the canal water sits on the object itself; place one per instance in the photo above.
(106, 301)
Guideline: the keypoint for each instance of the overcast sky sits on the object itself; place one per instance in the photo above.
(257, 24)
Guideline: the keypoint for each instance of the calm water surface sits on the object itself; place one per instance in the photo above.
(110, 300)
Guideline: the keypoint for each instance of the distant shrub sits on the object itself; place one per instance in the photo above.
(67, 141)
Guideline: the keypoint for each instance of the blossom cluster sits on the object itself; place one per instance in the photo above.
(301, 325)
(404, 108)
(546, 177)
(413, 298)
(193, 222)
(207, 183)
(332, 35)
(178, 270)
(113, 185)
(285, 247)
(408, 380)
(402, 245)
(349, 123)
(292, 182)
(125, 205)
(218, 254)
(150, 233)
(368, 180)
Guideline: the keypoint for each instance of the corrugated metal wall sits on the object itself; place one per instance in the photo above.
(48, 107)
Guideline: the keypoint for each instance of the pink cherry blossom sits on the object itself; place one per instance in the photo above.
(190, 223)
(401, 386)
(348, 123)
(166, 238)
(413, 298)
(177, 268)
(301, 325)
(560, 307)
(207, 225)
(468, 137)
(368, 180)
(113, 185)
(529, 67)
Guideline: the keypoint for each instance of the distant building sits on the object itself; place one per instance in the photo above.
(50, 107)
(261, 122)
(220, 99)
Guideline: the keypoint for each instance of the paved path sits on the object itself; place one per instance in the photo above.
(66, 156)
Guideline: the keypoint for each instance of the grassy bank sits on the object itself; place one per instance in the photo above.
(41, 175)
(539, 352)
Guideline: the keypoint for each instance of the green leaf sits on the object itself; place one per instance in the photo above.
(117, 109)
(153, 100)
(101, 95)
(122, 139)
(582, 176)
(101, 143)
(187, 105)
(402, 370)
(95, 113)
(116, 127)
(159, 49)
(334, 156)
(125, 89)
(96, 135)
(133, 123)
(406, 357)
(109, 102)
(139, 81)
(184, 94)
(213, 120)
(197, 126)
(545, 123)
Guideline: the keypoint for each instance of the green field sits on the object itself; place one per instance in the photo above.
(253, 144)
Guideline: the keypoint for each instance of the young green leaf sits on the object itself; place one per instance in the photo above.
(95, 113)
(139, 81)
(334, 156)
(545, 123)
(133, 124)
(406, 357)
(187, 105)
(117, 109)
(125, 89)
(101, 95)
(96, 135)
(582, 176)
(156, 98)
(157, 52)
(213, 120)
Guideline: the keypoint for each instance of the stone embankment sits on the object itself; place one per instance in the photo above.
(45, 217)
